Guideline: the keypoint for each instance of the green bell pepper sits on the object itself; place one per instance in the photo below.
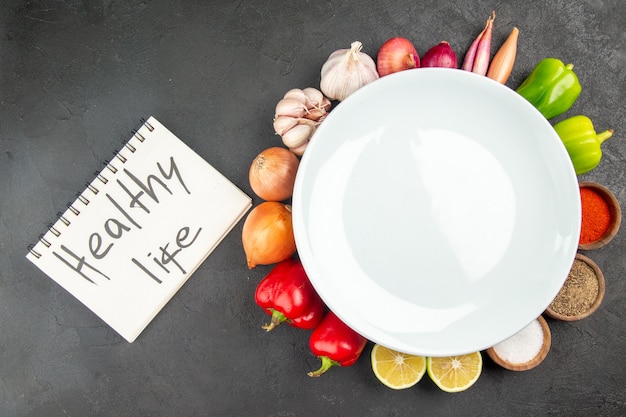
(551, 87)
(582, 142)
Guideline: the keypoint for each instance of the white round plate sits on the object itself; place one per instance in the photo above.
(436, 212)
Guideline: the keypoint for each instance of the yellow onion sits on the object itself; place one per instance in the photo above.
(273, 173)
(267, 234)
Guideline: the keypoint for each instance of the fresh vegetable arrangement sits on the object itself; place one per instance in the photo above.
(286, 293)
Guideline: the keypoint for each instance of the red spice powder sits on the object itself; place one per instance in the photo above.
(596, 216)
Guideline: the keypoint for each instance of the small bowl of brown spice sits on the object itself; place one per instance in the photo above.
(582, 292)
(601, 216)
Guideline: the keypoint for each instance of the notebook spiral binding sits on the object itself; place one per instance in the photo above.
(101, 176)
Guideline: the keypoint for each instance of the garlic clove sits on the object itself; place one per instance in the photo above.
(290, 107)
(316, 114)
(300, 149)
(298, 135)
(326, 104)
(313, 96)
(307, 121)
(296, 94)
(318, 104)
(283, 123)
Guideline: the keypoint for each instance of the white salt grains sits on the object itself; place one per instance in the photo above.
(522, 346)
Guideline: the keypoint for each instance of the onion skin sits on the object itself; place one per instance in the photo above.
(272, 174)
(396, 54)
(441, 55)
(267, 234)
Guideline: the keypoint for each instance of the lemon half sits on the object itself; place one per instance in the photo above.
(455, 373)
(395, 369)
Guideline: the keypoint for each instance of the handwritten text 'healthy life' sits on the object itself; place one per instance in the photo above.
(139, 196)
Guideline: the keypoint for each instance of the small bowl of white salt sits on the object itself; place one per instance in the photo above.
(524, 350)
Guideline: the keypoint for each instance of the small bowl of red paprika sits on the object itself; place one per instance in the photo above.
(601, 216)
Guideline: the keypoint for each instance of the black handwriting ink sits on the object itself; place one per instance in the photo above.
(173, 170)
(182, 236)
(95, 242)
(146, 270)
(115, 228)
(81, 263)
(128, 217)
(135, 198)
(148, 187)
(167, 257)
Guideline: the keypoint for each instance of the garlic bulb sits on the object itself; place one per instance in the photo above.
(347, 70)
(297, 116)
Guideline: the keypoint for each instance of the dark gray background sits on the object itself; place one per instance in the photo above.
(75, 79)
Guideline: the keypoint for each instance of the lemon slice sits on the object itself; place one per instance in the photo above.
(395, 369)
(455, 373)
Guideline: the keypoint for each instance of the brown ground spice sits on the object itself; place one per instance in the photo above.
(579, 291)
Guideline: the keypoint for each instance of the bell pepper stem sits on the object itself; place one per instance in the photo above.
(327, 363)
(605, 135)
(277, 318)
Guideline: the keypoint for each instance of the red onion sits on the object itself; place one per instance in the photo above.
(396, 54)
(440, 55)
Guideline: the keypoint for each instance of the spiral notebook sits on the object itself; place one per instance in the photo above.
(139, 230)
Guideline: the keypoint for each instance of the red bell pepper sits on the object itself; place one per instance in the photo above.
(287, 295)
(335, 344)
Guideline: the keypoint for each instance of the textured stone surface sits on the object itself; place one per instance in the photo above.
(76, 77)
